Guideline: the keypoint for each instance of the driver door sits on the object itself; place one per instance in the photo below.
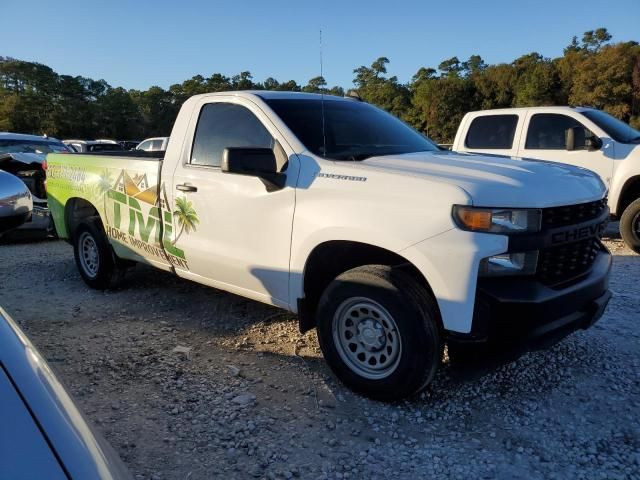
(233, 233)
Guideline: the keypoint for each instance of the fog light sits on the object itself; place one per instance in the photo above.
(521, 263)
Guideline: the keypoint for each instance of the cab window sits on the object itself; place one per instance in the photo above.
(224, 125)
(146, 145)
(492, 132)
(547, 131)
(156, 145)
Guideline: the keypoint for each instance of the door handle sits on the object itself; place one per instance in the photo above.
(185, 187)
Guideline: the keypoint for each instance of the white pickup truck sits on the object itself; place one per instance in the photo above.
(337, 211)
(580, 136)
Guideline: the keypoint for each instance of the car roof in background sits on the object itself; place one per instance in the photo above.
(24, 136)
(91, 142)
(517, 110)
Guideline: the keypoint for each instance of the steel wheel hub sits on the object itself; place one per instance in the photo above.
(367, 338)
(371, 334)
(89, 255)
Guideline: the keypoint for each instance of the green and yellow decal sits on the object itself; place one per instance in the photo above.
(133, 207)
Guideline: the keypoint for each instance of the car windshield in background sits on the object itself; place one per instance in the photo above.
(616, 129)
(352, 131)
(104, 147)
(31, 146)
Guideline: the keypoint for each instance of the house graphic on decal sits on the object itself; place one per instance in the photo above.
(136, 187)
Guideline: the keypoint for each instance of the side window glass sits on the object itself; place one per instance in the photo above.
(144, 145)
(492, 132)
(224, 125)
(156, 145)
(547, 132)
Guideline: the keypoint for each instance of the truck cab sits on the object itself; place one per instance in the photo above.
(580, 136)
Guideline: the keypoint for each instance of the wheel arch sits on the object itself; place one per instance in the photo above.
(630, 191)
(329, 259)
(76, 210)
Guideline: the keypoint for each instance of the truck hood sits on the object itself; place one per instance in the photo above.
(497, 180)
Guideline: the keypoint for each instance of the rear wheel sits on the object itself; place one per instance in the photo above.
(378, 330)
(96, 262)
(630, 226)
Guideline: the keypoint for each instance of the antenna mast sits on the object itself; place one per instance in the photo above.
(324, 136)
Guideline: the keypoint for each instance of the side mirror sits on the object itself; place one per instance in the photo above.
(576, 138)
(16, 203)
(593, 143)
(255, 162)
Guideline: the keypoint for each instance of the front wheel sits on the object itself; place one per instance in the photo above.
(96, 262)
(630, 226)
(378, 331)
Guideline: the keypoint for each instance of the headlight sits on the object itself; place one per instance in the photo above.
(497, 220)
(522, 263)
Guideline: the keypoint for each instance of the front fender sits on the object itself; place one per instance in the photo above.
(449, 262)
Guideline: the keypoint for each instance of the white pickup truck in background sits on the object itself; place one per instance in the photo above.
(335, 210)
(579, 136)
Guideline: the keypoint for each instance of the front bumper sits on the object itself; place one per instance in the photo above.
(524, 311)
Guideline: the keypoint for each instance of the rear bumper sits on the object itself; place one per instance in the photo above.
(40, 220)
(524, 311)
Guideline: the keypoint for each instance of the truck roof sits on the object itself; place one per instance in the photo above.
(272, 94)
(525, 109)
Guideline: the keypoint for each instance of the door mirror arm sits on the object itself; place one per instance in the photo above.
(570, 139)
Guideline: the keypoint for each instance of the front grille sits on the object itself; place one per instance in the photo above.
(566, 262)
(555, 217)
(563, 263)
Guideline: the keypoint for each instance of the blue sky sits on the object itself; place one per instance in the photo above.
(141, 43)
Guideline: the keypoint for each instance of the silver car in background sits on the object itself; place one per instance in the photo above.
(16, 202)
(23, 156)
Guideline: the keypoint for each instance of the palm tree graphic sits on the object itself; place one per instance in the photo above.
(186, 216)
(105, 183)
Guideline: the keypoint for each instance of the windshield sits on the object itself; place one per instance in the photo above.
(103, 147)
(616, 129)
(32, 146)
(353, 130)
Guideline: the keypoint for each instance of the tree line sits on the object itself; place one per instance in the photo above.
(592, 71)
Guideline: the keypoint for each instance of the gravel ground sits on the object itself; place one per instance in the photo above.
(187, 382)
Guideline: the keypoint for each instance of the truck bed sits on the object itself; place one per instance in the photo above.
(140, 154)
(104, 181)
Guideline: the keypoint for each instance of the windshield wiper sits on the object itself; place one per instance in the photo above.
(353, 157)
(359, 156)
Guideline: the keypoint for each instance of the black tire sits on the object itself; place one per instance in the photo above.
(393, 293)
(630, 226)
(107, 271)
